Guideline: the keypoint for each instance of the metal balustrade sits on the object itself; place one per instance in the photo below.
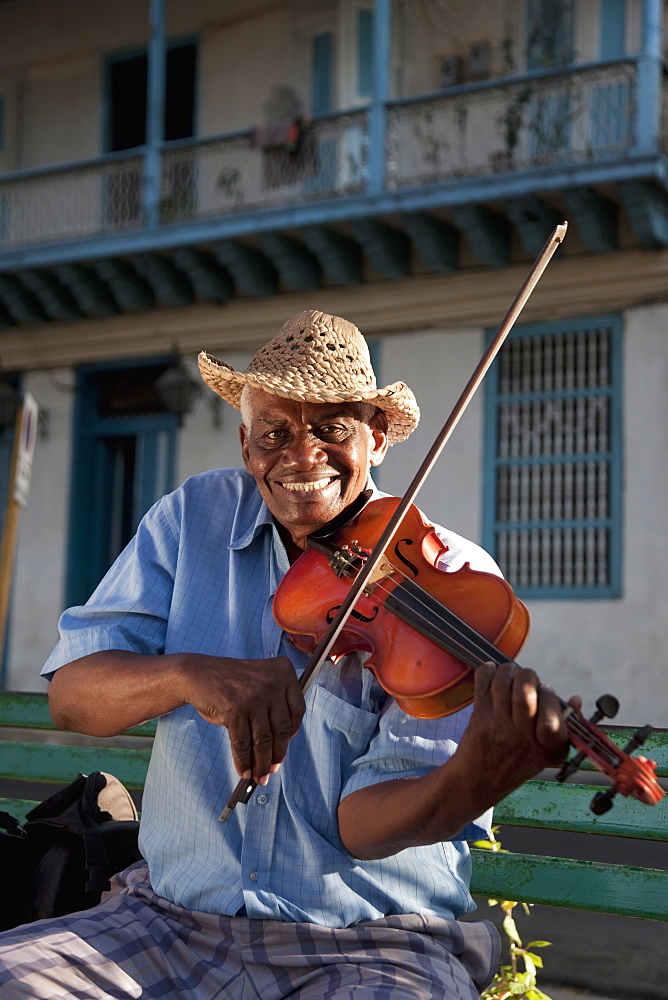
(252, 170)
(535, 121)
(478, 131)
(102, 196)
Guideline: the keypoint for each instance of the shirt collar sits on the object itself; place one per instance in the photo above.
(246, 531)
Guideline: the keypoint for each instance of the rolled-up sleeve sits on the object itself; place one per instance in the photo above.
(130, 607)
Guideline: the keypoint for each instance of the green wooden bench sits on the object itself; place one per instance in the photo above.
(541, 805)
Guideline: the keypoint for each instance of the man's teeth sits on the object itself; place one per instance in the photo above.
(319, 484)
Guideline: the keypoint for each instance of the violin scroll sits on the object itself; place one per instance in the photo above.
(631, 776)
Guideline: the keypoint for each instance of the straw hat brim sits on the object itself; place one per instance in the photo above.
(397, 401)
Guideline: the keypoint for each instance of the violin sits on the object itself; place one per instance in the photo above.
(392, 578)
(425, 631)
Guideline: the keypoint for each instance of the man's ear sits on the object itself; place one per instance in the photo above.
(243, 437)
(378, 425)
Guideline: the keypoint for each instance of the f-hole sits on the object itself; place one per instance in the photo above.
(399, 554)
(331, 614)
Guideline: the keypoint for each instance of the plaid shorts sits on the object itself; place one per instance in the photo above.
(138, 945)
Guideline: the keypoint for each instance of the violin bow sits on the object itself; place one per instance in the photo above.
(245, 787)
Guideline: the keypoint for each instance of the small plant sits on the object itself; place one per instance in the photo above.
(518, 979)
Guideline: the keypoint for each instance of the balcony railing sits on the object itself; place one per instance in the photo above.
(540, 120)
(251, 171)
(45, 206)
(586, 115)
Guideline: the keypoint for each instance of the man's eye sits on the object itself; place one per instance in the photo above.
(332, 430)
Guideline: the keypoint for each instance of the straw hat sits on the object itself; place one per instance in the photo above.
(316, 358)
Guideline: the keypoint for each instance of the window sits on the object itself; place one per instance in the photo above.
(365, 52)
(127, 80)
(612, 14)
(553, 453)
(322, 73)
(549, 35)
(126, 97)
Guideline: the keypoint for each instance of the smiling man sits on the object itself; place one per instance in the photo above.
(345, 874)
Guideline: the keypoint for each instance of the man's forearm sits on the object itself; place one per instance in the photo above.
(383, 819)
(517, 728)
(108, 692)
(259, 702)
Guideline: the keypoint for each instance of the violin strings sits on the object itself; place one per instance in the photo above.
(453, 642)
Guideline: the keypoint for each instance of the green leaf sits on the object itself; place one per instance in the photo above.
(539, 944)
(536, 960)
(529, 966)
(511, 930)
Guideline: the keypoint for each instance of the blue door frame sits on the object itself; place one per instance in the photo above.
(121, 465)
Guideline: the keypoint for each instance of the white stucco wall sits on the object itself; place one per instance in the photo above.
(209, 437)
(43, 528)
(437, 365)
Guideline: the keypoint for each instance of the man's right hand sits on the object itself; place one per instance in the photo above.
(259, 702)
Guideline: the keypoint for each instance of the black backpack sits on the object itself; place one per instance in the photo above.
(62, 857)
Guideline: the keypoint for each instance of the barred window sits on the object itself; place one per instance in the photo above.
(553, 450)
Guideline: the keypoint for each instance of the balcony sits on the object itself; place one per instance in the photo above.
(386, 191)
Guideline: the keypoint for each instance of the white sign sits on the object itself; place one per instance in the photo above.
(26, 449)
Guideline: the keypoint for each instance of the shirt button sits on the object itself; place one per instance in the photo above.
(262, 800)
(253, 876)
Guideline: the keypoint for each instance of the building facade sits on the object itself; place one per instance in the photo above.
(182, 176)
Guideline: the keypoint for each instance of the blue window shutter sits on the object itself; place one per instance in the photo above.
(364, 53)
(322, 52)
(553, 458)
(612, 28)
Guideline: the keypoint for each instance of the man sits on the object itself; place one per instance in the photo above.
(340, 874)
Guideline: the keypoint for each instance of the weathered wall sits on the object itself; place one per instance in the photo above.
(585, 647)
(40, 566)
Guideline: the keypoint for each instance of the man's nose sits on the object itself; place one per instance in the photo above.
(305, 451)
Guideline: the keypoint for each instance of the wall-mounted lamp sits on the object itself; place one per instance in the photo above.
(177, 390)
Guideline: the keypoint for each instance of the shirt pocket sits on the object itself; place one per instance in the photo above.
(340, 732)
(333, 734)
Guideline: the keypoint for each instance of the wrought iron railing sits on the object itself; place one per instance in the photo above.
(482, 130)
(262, 168)
(102, 196)
(538, 120)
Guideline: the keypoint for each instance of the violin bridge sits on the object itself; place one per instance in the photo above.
(381, 572)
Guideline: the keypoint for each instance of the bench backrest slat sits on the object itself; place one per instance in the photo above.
(655, 747)
(551, 806)
(61, 763)
(581, 885)
(630, 891)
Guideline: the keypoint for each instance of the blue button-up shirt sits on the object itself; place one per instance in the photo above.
(199, 576)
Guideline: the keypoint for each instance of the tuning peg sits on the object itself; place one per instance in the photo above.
(607, 707)
(638, 738)
(602, 801)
